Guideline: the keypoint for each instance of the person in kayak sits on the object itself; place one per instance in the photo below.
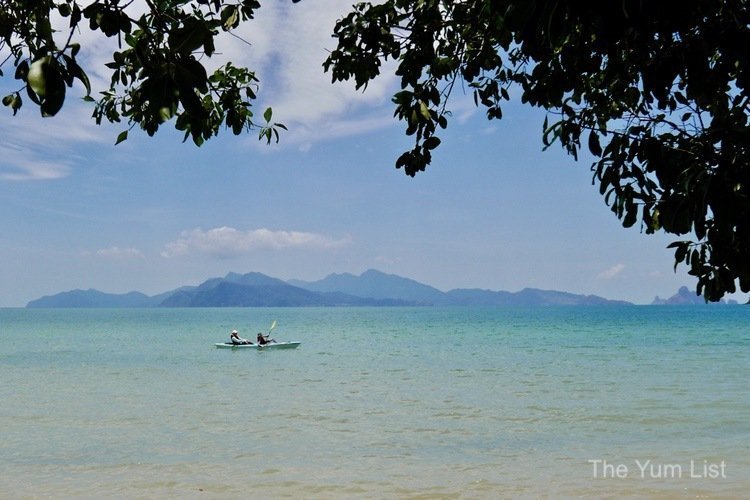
(236, 339)
(263, 339)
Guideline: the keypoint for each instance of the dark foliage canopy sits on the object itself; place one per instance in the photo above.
(156, 75)
(657, 92)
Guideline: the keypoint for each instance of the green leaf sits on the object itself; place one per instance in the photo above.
(34, 98)
(403, 160)
(15, 102)
(44, 28)
(504, 93)
(267, 115)
(594, 146)
(432, 142)
(681, 251)
(230, 17)
(122, 137)
(631, 215)
(193, 35)
(53, 103)
(48, 82)
(75, 71)
(22, 70)
(37, 76)
(424, 110)
(64, 9)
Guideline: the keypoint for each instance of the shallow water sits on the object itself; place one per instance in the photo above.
(376, 402)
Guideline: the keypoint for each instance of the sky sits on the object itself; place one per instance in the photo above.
(493, 211)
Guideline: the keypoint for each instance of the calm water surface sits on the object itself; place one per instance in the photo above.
(376, 403)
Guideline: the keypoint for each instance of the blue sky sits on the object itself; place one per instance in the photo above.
(493, 211)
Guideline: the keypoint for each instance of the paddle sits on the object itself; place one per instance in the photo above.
(273, 325)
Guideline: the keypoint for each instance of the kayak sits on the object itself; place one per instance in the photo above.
(272, 345)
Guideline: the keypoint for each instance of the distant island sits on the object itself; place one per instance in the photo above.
(371, 288)
(685, 297)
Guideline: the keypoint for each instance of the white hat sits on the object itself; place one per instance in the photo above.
(234, 331)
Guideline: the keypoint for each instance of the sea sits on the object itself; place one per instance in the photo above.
(424, 402)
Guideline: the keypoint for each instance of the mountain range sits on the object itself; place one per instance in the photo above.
(371, 288)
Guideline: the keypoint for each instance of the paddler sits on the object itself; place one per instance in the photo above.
(236, 339)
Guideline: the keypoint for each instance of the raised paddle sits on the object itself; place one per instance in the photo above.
(273, 325)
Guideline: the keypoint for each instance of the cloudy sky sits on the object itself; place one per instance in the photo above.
(493, 211)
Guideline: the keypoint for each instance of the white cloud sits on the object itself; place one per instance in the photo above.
(36, 148)
(289, 43)
(120, 253)
(287, 46)
(227, 242)
(612, 272)
(24, 169)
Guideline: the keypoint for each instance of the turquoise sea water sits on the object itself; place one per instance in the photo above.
(376, 403)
